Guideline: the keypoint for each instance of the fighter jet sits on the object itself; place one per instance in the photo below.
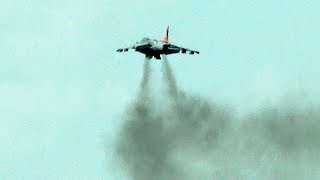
(153, 48)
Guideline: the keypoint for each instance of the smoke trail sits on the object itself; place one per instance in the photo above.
(141, 146)
(169, 78)
(143, 100)
(192, 138)
(144, 86)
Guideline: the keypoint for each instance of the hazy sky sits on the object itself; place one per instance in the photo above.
(63, 86)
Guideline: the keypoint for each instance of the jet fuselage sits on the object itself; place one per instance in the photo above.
(153, 48)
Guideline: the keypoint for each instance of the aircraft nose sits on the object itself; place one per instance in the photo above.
(138, 47)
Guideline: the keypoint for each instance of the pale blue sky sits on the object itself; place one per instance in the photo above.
(63, 87)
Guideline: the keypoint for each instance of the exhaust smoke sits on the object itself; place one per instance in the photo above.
(193, 138)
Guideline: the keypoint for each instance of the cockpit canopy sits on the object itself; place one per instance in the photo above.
(145, 39)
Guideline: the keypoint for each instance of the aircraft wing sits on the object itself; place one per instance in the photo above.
(125, 49)
(184, 50)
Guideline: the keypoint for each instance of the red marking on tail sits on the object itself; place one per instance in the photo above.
(166, 37)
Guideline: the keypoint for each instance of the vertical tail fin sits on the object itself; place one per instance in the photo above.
(166, 36)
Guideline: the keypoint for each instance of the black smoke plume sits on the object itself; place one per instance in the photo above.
(190, 137)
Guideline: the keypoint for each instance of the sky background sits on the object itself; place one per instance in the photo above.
(63, 87)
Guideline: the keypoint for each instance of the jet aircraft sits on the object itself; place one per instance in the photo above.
(153, 48)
